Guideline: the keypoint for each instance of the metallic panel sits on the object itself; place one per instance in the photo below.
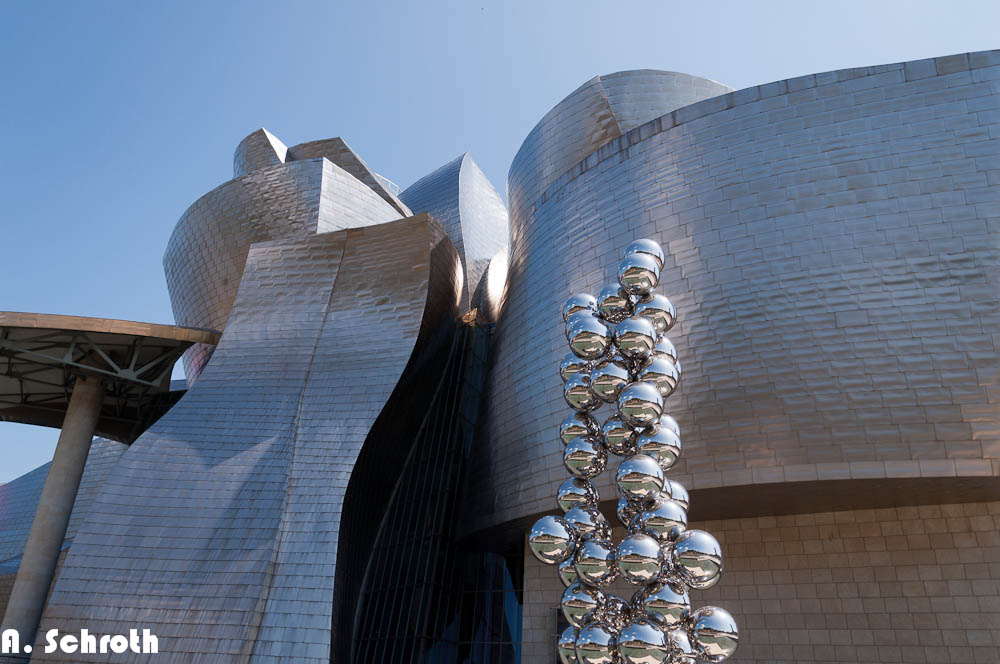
(261, 149)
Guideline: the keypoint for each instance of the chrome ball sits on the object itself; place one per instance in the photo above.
(588, 337)
(578, 424)
(662, 373)
(659, 310)
(578, 395)
(572, 365)
(607, 380)
(576, 492)
(579, 603)
(588, 522)
(665, 603)
(640, 404)
(639, 477)
(660, 443)
(627, 510)
(596, 645)
(670, 423)
(567, 572)
(566, 647)
(577, 303)
(665, 348)
(696, 556)
(705, 585)
(646, 246)
(585, 456)
(640, 559)
(635, 337)
(665, 520)
(618, 436)
(614, 304)
(715, 633)
(642, 642)
(681, 649)
(615, 613)
(679, 494)
(638, 273)
(552, 539)
(595, 562)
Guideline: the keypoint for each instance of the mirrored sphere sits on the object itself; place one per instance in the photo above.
(618, 436)
(567, 572)
(661, 372)
(635, 338)
(585, 456)
(627, 510)
(588, 522)
(615, 612)
(576, 492)
(715, 633)
(640, 559)
(670, 423)
(681, 648)
(646, 246)
(588, 337)
(705, 585)
(642, 642)
(578, 395)
(572, 365)
(665, 603)
(567, 645)
(640, 404)
(578, 424)
(614, 304)
(579, 302)
(579, 602)
(660, 443)
(595, 562)
(596, 645)
(658, 309)
(638, 274)
(639, 477)
(552, 539)
(607, 380)
(665, 520)
(696, 556)
(665, 348)
(679, 494)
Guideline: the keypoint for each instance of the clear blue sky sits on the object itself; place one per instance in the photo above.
(117, 116)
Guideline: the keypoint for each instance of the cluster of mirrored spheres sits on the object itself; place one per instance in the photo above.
(620, 356)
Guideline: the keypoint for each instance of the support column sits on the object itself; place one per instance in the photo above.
(41, 553)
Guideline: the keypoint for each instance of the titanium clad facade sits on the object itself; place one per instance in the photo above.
(833, 250)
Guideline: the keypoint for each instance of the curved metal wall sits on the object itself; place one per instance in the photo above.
(833, 251)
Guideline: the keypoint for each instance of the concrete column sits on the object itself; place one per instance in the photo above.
(41, 553)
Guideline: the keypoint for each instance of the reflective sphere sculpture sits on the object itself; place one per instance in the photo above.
(665, 348)
(614, 303)
(588, 337)
(576, 492)
(615, 613)
(661, 372)
(660, 443)
(578, 394)
(715, 633)
(670, 423)
(649, 247)
(566, 647)
(638, 274)
(579, 602)
(567, 572)
(618, 436)
(639, 477)
(681, 649)
(659, 310)
(705, 585)
(595, 562)
(578, 424)
(642, 642)
(665, 520)
(640, 559)
(679, 494)
(627, 510)
(607, 380)
(596, 645)
(579, 302)
(572, 365)
(635, 338)
(588, 522)
(585, 456)
(696, 556)
(640, 404)
(664, 603)
(552, 539)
